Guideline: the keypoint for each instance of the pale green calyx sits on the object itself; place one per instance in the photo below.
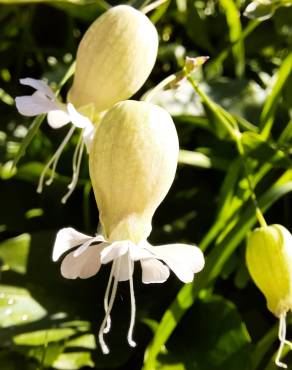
(114, 58)
(269, 261)
(132, 166)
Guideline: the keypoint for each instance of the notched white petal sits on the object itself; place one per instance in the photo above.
(39, 85)
(114, 251)
(84, 266)
(183, 259)
(66, 239)
(34, 105)
(154, 271)
(58, 118)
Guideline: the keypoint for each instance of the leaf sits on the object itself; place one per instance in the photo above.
(219, 343)
(256, 147)
(36, 123)
(14, 253)
(201, 160)
(83, 341)
(268, 112)
(73, 361)
(42, 337)
(18, 307)
(197, 28)
(214, 67)
(233, 20)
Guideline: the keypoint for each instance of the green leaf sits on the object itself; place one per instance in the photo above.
(18, 307)
(258, 148)
(73, 361)
(269, 109)
(219, 343)
(14, 253)
(42, 337)
(233, 20)
(201, 160)
(83, 341)
(36, 123)
(197, 28)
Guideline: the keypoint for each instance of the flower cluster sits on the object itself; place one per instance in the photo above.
(133, 153)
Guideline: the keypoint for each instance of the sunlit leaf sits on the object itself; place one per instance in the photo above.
(18, 307)
(14, 253)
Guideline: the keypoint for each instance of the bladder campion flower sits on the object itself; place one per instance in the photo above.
(269, 261)
(114, 59)
(132, 161)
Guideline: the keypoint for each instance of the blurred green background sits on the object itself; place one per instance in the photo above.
(218, 323)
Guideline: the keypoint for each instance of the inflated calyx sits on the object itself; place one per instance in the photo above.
(114, 58)
(269, 261)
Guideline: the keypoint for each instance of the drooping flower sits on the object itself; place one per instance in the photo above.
(133, 161)
(114, 59)
(269, 261)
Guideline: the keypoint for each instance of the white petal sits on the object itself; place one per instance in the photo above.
(114, 251)
(78, 119)
(84, 266)
(34, 105)
(154, 271)
(84, 246)
(58, 118)
(183, 259)
(66, 239)
(126, 270)
(139, 252)
(39, 85)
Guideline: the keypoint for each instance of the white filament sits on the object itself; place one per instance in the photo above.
(283, 341)
(54, 161)
(77, 159)
(131, 342)
(102, 343)
(105, 301)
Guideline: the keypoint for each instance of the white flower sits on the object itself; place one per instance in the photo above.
(92, 252)
(44, 101)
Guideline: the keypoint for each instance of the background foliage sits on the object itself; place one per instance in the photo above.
(218, 322)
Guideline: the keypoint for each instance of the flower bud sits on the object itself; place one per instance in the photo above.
(269, 261)
(132, 166)
(114, 58)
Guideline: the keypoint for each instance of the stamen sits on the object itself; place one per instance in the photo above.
(77, 159)
(54, 161)
(131, 342)
(105, 301)
(283, 341)
(102, 343)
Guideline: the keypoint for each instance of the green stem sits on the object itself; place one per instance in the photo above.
(259, 214)
(231, 127)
